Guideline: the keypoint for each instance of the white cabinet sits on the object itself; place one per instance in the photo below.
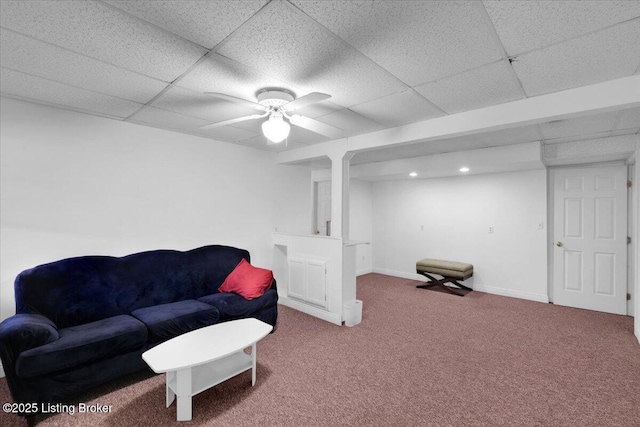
(308, 280)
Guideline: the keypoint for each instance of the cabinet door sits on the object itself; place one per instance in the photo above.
(296, 278)
(316, 282)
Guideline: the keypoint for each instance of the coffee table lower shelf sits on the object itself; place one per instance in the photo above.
(186, 383)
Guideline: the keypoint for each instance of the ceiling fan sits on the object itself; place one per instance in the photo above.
(277, 105)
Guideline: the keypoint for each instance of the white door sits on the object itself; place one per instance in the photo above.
(590, 233)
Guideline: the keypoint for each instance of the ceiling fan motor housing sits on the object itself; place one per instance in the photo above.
(274, 98)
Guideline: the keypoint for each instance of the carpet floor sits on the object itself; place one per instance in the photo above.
(418, 358)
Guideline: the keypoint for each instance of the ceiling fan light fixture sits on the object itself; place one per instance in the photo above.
(276, 129)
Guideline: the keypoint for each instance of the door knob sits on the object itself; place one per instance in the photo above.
(559, 244)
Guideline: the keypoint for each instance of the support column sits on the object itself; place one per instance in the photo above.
(340, 161)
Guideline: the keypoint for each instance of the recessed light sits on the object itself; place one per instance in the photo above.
(413, 174)
(464, 169)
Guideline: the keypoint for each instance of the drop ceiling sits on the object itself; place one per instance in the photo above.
(384, 63)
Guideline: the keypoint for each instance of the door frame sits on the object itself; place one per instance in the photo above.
(632, 230)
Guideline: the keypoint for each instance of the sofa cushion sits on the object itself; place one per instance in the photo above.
(248, 281)
(233, 306)
(83, 344)
(166, 321)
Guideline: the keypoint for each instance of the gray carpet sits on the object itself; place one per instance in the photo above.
(417, 359)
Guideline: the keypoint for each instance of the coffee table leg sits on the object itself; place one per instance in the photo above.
(170, 394)
(183, 384)
(253, 364)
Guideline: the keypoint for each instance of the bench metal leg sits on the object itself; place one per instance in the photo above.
(441, 284)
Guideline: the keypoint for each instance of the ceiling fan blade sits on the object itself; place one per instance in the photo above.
(316, 126)
(238, 101)
(303, 101)
(231, 121)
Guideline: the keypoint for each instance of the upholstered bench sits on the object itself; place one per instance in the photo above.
(450, 271)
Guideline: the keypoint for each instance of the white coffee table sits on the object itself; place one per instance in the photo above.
(198, 360)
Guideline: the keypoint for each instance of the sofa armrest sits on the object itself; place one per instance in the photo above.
(274, 285)
(22, 332)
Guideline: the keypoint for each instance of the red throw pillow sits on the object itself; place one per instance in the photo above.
(247, 281)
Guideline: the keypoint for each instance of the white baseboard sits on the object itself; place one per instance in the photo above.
(330, 317)
(2, 375)
(401, 274)
(476, 286)
(511, 293)
(364, 271)
(637, 332)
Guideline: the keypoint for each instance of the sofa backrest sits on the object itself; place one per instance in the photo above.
(84, 289)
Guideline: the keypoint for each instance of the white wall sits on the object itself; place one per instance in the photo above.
(73, 184)
(455, 214)
(361, 222)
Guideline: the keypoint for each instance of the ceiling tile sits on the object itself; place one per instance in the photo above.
(629, 119)
(46, 91)
(579, 126)
(222, 75)
(102, 32)
(511, 136)
(488, 85)
(22, 53)
(318, 109)
(171, 120)
(199, 105)
(281, 41)
(527, 25)
(604, 55)
(417, 41)
(206, 23)
(398, 109)
(350, 122)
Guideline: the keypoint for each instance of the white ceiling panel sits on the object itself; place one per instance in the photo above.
(629, 119)
(350, 122)
(199, 105)
(100, 31)
(579, 126)
(167, 119)
(318, 109)
(511, 136)
(417, 41)
(172, 120)
(54, 93)
(22, 53)
(385, 63)
(398, 109)
(220, 74)
(604, 55)
(528, 25)
(488, 85)
(206, 23)
(281, 41)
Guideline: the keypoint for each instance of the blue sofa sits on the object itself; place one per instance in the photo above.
(83, 321)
